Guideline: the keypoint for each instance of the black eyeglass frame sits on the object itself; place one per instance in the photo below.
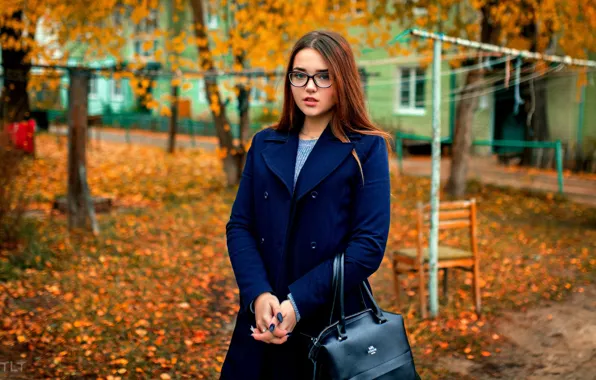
(308, 78)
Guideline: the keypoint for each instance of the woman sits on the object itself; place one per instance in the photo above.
(315, 184)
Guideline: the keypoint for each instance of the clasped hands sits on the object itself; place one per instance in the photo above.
(275, 321)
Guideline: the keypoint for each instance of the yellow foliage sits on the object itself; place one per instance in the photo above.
(165, 111)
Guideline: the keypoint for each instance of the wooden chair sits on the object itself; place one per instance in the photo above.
(452, 215)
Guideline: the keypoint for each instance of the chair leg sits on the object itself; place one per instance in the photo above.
(476, 281)
(445, 285)
(421, 291)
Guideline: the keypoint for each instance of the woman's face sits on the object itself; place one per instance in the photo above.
(313, 101)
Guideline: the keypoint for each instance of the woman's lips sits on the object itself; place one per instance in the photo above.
(310, 102)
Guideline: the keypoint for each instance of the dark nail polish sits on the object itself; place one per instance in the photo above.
(272, 327)
(280, 318)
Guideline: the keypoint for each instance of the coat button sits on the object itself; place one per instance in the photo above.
(262, 240)
(314, 194)
(313, 245)
(266, 195)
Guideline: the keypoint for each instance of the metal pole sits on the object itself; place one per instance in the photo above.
(559, 154)
(192, 133)
(579, 156)
(435, 183)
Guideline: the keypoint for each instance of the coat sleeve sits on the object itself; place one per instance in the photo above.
(246, 260)
(368, 240)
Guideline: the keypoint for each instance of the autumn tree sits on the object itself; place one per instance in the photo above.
(538, 25)
(260, 37)
(15, 39)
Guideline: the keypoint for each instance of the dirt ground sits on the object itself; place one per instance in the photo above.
(555, 341)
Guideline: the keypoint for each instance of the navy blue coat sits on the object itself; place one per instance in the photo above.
(281, 240)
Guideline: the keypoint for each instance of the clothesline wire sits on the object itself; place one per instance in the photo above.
(488, 80)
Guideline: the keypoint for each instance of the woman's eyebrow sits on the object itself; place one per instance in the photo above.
(318, 71)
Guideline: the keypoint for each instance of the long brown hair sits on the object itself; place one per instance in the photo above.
(350, 113)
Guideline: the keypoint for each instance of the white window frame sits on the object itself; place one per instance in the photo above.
(254, 91)
(118, 16)
(202, 97)
(144, 31)
(416, 11)
(411, 109)
(117, 83)
(93, 87)
(352, 3)
(212, 20)
(354, 10)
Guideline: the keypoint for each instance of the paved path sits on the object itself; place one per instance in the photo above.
(578, 188)
(159, 139)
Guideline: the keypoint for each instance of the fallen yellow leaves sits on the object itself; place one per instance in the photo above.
(158, 281)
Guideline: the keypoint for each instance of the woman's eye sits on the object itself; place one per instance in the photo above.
(299, 76)
(324, 76)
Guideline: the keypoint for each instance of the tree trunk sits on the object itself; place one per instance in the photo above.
(234, 156)
(77, 137)
(173, 120)
(243, 112)
(537, 127)
(462, 141)
(14, 100)
(464, 116)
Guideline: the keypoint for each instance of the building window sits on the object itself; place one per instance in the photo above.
(212, 20)
(258, 95)
(410, 91)
(201, 88)
(356, 8)
(118, 15)
(262, 90)
(93, 90)
(117, 94)
(145, 42)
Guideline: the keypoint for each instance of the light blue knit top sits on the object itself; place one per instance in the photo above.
(304, 149)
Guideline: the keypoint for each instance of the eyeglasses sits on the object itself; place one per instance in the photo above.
(300, 79)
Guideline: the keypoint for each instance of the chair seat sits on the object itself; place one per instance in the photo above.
(445, 253)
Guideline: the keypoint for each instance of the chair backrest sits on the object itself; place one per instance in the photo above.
(452, 215)
(456, 214)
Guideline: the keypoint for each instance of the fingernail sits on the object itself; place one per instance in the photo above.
(280, 317)
(272, 327)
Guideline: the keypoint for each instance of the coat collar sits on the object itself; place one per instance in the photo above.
(328, 153)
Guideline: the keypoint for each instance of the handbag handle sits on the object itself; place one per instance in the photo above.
(335, 285)
(338, 281)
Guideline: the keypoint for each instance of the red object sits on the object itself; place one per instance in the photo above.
(22, 135)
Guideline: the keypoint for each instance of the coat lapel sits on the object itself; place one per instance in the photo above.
(280, 156)
(327, 154)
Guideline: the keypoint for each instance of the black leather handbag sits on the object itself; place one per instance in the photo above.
(371, 344)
